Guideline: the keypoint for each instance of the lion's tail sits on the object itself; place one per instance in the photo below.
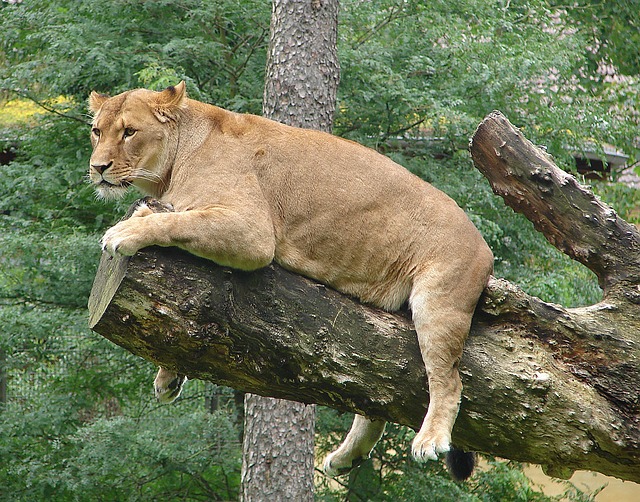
(460, 464)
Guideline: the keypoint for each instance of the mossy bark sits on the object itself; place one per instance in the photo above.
(542, 383)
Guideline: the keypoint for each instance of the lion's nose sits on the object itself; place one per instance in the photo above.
(100, 168)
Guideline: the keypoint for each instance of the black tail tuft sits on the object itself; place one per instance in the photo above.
(460, 463)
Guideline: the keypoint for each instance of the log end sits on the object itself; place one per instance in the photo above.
(111, 271)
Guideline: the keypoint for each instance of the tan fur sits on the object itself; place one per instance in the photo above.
(248, 191)
(168, 385)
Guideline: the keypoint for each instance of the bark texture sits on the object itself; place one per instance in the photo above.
(542, 383)
(302, 64)
(277, 454)
(569, 215)
(301, 82)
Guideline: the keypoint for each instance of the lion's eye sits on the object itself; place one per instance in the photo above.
(96, 132)
(128, 132)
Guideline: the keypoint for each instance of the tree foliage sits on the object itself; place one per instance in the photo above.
(611, 30)
(439, 68)
(77, 406)
(76, 47)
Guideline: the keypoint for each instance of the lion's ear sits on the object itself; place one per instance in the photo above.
(168, 102)
(96, 101)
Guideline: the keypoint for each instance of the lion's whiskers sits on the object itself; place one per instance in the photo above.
(145, 174)
(141, 173)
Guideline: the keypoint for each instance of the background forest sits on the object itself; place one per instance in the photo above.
(77, 416)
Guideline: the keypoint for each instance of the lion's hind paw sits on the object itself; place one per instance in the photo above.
(334, 466)
(428, 447)
(167, 392)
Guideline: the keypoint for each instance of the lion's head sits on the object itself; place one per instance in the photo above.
(133, 137)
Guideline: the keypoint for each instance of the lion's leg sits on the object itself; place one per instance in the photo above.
(356, 447)
(442, 309)
(168, 385)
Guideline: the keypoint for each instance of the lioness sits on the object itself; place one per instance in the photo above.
(248, 191)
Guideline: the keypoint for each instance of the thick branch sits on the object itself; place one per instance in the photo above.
(543, 384)
(275, 333)
(568, 214)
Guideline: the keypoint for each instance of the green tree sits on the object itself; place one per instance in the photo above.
(612, 30)
(71, 48)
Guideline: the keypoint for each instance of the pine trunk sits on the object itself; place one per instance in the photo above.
(300, 90)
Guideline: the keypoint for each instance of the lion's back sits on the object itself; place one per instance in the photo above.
(352, 218)
(344, 214)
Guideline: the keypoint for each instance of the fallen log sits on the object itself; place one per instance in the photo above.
(542, 383)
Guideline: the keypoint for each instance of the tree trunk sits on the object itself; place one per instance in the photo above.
(542, 383)
(300, 90)
(302, 65)
(277, 451)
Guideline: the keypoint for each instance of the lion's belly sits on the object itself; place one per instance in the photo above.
(374, 262)
(388, 291)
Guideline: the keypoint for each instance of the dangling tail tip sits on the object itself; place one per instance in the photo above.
(460, 464)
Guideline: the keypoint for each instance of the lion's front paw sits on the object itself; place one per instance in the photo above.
(169, 392)
(142, 210)
(126, 238)
(337, 465)
(429, 443)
